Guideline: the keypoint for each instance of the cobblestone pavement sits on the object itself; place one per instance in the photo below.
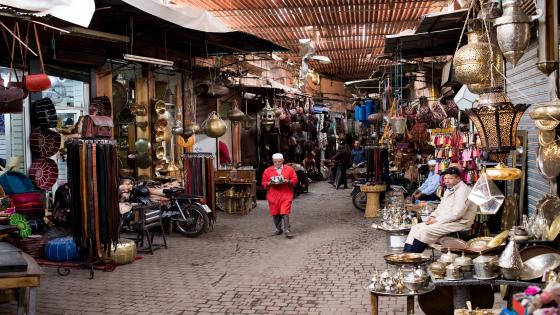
(241, 268)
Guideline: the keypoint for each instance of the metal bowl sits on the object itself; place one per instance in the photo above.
(479, 243)
(413, 284)
(536, 266)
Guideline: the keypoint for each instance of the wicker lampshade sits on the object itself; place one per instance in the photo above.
(496, 120)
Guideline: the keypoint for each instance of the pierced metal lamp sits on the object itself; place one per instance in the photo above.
(496, 120)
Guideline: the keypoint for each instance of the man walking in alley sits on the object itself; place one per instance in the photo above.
(278, 180)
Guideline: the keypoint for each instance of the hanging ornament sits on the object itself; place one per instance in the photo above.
(513, 30)
(214, 127)
(235, 115)
(494, 111)
(475, 63)
(268, 116)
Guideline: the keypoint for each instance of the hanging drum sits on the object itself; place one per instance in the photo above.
(44, 173)
(44, 142)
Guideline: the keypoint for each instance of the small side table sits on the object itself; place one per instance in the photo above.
(374, 298)
(372, 205)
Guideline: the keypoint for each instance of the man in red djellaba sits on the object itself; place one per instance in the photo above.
(278, 180)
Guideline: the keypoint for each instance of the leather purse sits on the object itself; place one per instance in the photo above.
(97, 127)
(37, 82)
(11, 100)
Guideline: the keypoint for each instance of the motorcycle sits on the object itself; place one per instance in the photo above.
(358, 175)
(188, 213)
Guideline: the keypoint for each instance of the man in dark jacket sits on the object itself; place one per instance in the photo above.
(341, 160)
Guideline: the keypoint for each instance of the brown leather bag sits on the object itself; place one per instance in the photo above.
(11, 100)
(97, 127)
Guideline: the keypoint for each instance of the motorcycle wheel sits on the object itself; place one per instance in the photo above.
(195, 224)
(359, 200)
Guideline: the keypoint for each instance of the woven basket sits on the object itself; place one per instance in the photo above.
(372, 188)
(34, 245)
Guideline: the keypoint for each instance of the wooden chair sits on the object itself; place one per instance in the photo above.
(146, 219)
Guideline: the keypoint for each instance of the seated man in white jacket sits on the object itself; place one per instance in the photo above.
(453, 214)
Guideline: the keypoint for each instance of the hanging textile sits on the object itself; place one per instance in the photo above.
(92, 178)
(377, 159)
(199, 176)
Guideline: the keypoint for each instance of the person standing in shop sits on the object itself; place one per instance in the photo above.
(341, 161)
(455, 213)
(279, 180)
(428, 190)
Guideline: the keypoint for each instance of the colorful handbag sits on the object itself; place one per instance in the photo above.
(44, 142)
(11, 100)
(97, 127)
(424, 113)
(44, 173)
(37, 82)
(439, 113)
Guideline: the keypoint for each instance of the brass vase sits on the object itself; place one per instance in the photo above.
(473, 64)
(215, 127)
(513, 30)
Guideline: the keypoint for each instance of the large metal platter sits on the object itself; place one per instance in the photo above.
(452, 243)
(406, 259)
(536, 266)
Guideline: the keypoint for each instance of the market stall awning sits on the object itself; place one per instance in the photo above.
(184, 15)
(437, 34)
(77, 12)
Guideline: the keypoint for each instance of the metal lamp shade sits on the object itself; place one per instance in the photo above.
(496, 123)
(268, 116)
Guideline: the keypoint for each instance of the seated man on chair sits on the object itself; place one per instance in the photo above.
(428, 190)
(453, 214)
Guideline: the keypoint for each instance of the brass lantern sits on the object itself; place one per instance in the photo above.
(496, 120)
(473, 62)
(513, 31)
(268, 116)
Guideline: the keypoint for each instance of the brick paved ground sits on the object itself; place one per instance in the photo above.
(241, 268)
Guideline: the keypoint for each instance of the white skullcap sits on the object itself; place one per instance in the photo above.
(432, 162)
(277, 156)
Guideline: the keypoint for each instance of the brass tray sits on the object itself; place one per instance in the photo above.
(406, 259)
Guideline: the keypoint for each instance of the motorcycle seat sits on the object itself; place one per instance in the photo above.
(172, 191)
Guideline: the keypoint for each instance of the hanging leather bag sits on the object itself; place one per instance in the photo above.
(37, 82)
(11, 98)
(97, 127)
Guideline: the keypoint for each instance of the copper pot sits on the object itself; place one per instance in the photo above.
(473, 62)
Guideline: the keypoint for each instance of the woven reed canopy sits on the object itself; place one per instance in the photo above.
(351, 33)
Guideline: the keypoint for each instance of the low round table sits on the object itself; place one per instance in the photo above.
(372, 205)
(374, 297)
(395, 236)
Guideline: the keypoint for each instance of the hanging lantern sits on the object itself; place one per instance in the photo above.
(513, 30)
(178, 128)
(547, 49)
(215, 127)
(193, 127)
(268, 116)
(473, 62)
(496, 120)
(235, 115)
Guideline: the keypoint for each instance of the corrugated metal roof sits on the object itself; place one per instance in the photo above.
(350, 32)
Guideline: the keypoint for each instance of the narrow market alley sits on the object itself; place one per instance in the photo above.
(242, 268)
